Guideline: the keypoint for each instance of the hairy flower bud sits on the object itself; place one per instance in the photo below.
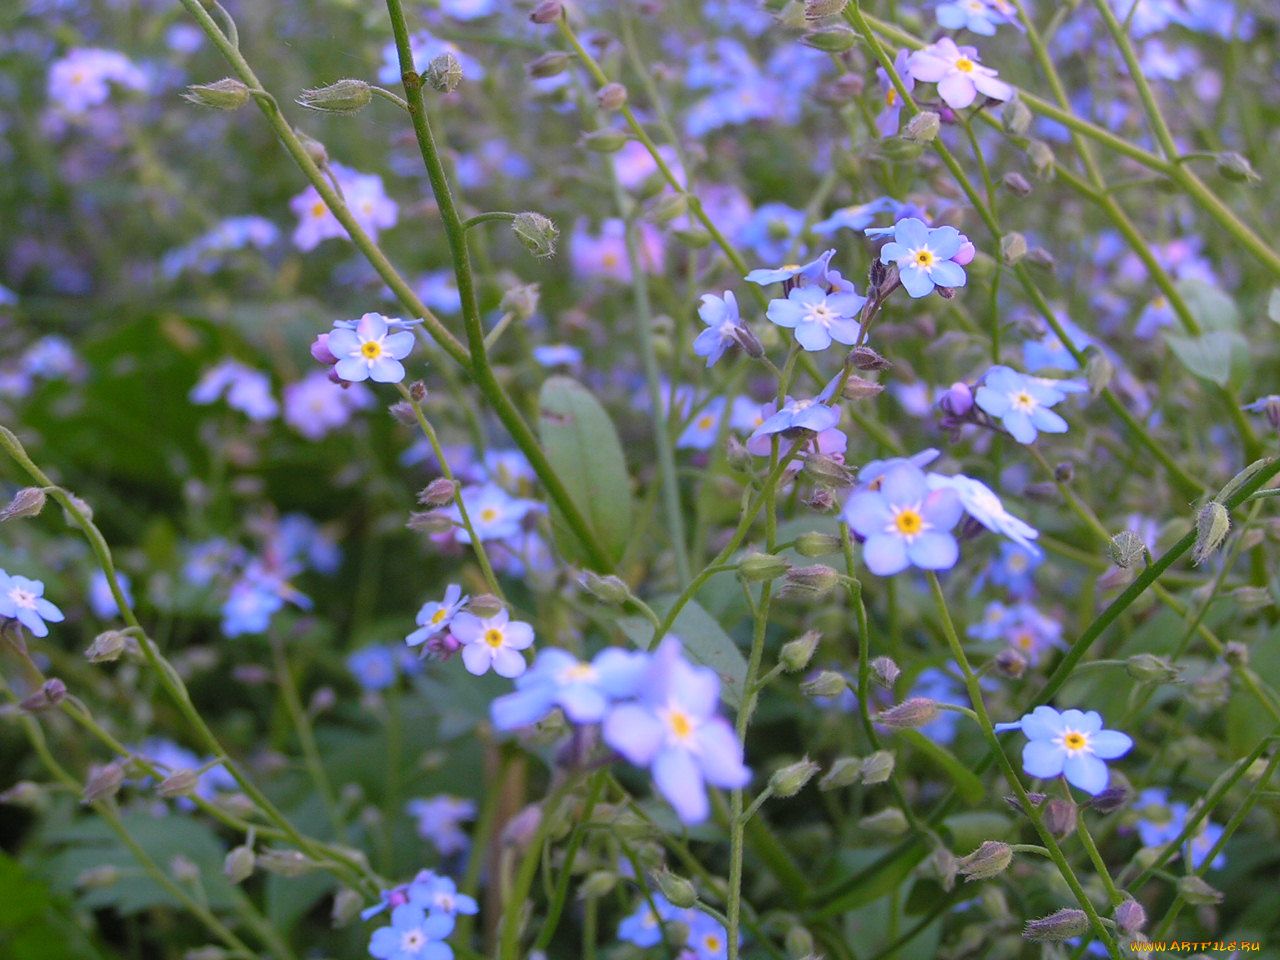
(858, 388)
(827, 471)
(438, 493)
(604, 141)
(536, 232)
(884, 671)
(285, 863)
(828, 683)
(180, 783)
(225, 94)
(1197, 892)
(1148, 668)
(612, 96)
(799, 941)
(843, 772)
(958, 400)
(27, 502)
(548, 65)
(788, 781)
(989, 860)
(443, 73)
(346, 907)
(610, 589)
(1063, 925)
(877, 768)
(1013, 247)
(106, 647)
(1212, 526)
(909, 714)
(759, 567)
(51, 693)
(239, 864)
(1111, 799)
(1060, 817)
(811, 543)
(796, 654)
(26, 794)
(746, 338)
(1126, 548)
(866, 358)
(103, 782)
(1015, 117)
(809, 583)
(836, 38)
(819, 9)
(666, 207)
(923, 127)
(346, 96)
(1041, 156)
(1236, 168)
(548, 11)
(1016, 184)
(1236, 654)
(1130, 918)
(679, 891)
(890, 821)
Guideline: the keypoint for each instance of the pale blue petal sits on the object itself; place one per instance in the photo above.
(678, 779)
(1042, 723)
(634, 732)
(948, 274)
(1110, 744)
(934, 551)
(721, 755)
(885, 554)
(911, 232)
(1042, 759)
(1086, 772)
(918, 283)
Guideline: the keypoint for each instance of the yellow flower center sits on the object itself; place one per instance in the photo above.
(712, 943)
(964, 65)
(1075, 741)
(77, 77)
(488, 514)
(1023, 401)
(680, 722)
(371, 349)
(1026, 641)
(891, 97)
(924, 258)
(791, 266)
(578, 672)
(908, 522)
(318, 209)
(493, 637)
(706, 422)
(439, 615)
(610, 260)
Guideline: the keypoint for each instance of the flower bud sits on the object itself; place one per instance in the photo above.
(943, 865)
(178, 784)
(759, 567)
(843, 772)
(884, 671)
(828, 683)
(1063, 925)
(1130, 918)
(77, 506)
(26, 794)
(612, 96)
(430, 522)
(184, 869)
(536, 232)
(818, 9)
(27, 502)
(923, 127)
(1236, 168)
(604, 141)
(796, 654)
(665, 207)
(1015, 117)
(890, 821)
(226, 94)
(346, 907)
(799, 941)
(788, 781)
(598, 883)
(443, 73)
(1016, 184)
(438, 493)
(1060, 817)
(1236, 654)
(1111, 799)
(877, 768)
(746, 338)
(239, 864)
(485, 605)
(103, 782)
(836, 38)
(548, 65)
(811, 543)
(1042, 258)
(51, 694)
(611, 590)
(865, 358)
(1041, 156)
(1148, 668)
(285, 863)
(1037, 800)
(1098, 370)
(522, 300)
(346, 97)
(548, 11)
(1212, 525)
(1011, 663)
(958, 400)
(858, 388)
(990, 859)
(106, 647)
(403, 411)
(679, 891)
(809, 583)
(909, 714)
(1126, 548)
(1197, 892)
(1013, 247)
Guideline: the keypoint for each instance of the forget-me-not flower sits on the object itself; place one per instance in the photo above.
(436, 615)
(23, 600)
(904, 523)
(720, 314)
(414, 934)
(1021, 403)
(492, 642)
(925, 256)
(370, 351)
(1071, 743)
(584, 691)
(818, 317)
(958, 72)
(981, 503)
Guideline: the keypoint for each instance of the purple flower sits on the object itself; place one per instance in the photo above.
(904, 523)
(976, 16)
(958, 73)
(438, 821)
(673, 728)
(315, 405)
(365, 196)
(369, 351)
(721, 317)
(1021, 403)
(413, 935)
(817, 317)
(492, 642)
(246, 389)
(81, 79)
(559, 679)
(437, 615)
(494, 513)
(23, 600)
(440, 894)
(373, 667)
(1071, 743)
(981, 503)
(925, 256)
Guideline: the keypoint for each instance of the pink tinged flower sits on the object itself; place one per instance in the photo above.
(1071, 743)
(370, 351)
(958, 73)
(674, 730)
(82, 78)
(492, 642)
(316, 406)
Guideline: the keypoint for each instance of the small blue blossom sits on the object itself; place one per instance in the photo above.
(23, 600)
(413, 935)
(720, 314)
(673, 728)
(369, 351)
(373, 667)
(492, 642)
(707, 937)
(703, 429)
(904, 523)
(246, 389)
(559, 679)
(643, 927)
(871, 474)
(1052, 352)
(1021, 626)
(856, 217)
(436, 615)
(1021, 403)
(440, 895)
(1071, 743)
(981, 503)
(494, 513)
(558, 355)
(101, 600)
(811, 271)
(1014, 569)
(1162, 822)
(889, 119)
(976, 16)
(817, 317)
(438, 821)
(925, 256)
(798, 415)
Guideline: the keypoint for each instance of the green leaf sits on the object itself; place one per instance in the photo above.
(1211, 307)
(704, 640)
(37, 925)
(967, 783)
(583, 447)
(1210, 356)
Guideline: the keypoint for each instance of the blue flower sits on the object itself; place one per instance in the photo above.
(369, 351)
(925, 256)
(857, 217)
(246, 389)
(1021, 402)
(1162, 822)
(703, 429)
(707, 937)
(559, 679)
(437, 615)
(812, 271)
(721, 317)
(798, 415)
(413, 935)
(976, 16)
(871, 474)
(438, 821)
(673, 728)
(643, 927)
(1052, 352)
(904, 523)
(373, 667)
(494, 513)
(1014, 569)
(440, 894)
(1021, 626)
(981, 503)
(818, 317)
(1071, 743)
(23, 600)
(492, 642)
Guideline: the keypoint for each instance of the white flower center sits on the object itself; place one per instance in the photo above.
(1074, 742)
(907, 522)
(820, 314)
(23, 598)
(412, 941)
(1023, 401)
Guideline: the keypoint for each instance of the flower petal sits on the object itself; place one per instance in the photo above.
(1043, 759)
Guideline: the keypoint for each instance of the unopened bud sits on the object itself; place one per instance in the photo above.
(1041, 156)
(548, 65)
(843, 772)
(604, 141)
(1212, 525)
(485, 605)
(106, 647)
(1130, 918)
(439, 492)
(1126, 548)
(346, 96)
(1015, 117)
(859, 388)
(184, 869)
(1236, 654)
(828, 471)
(1016, 184)
(923, 127)
(27, 502)
(890, 821)
(443, 73)
(679, 891)
(1013, 247)
(1197, 892)
(836, 38)
(611, 96)
(884, 671)
(1148, 668)
(430, 522)
(1249, 596)
(1066, 924)
(799, 941)
(788, 781)
(809, 583)
(822, 500)
(239, 863)
(1098, 370)
(909, 714)
(1236, 168)
(598, 883)
(285, 863)
(26, 794)
(828, 683)
(548, 11)
(759, 567)
(818, 9)
(1011, 663)
(536, 232)
(988, 860)
(403, 411)
(76, 506)
(51, 693)
(746, 338)
(1043, 259)
(877, 768)
(943, 865)
(611, 590)
(1037, 800)
(866, 358)
(103, 782)
(665, 207)
(1060, 817)
(1110, 800)
(346, 907)
(811, 543)
(521, 300)
(178, 784)
(226, 94)
(796, 654)
(958, 400)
